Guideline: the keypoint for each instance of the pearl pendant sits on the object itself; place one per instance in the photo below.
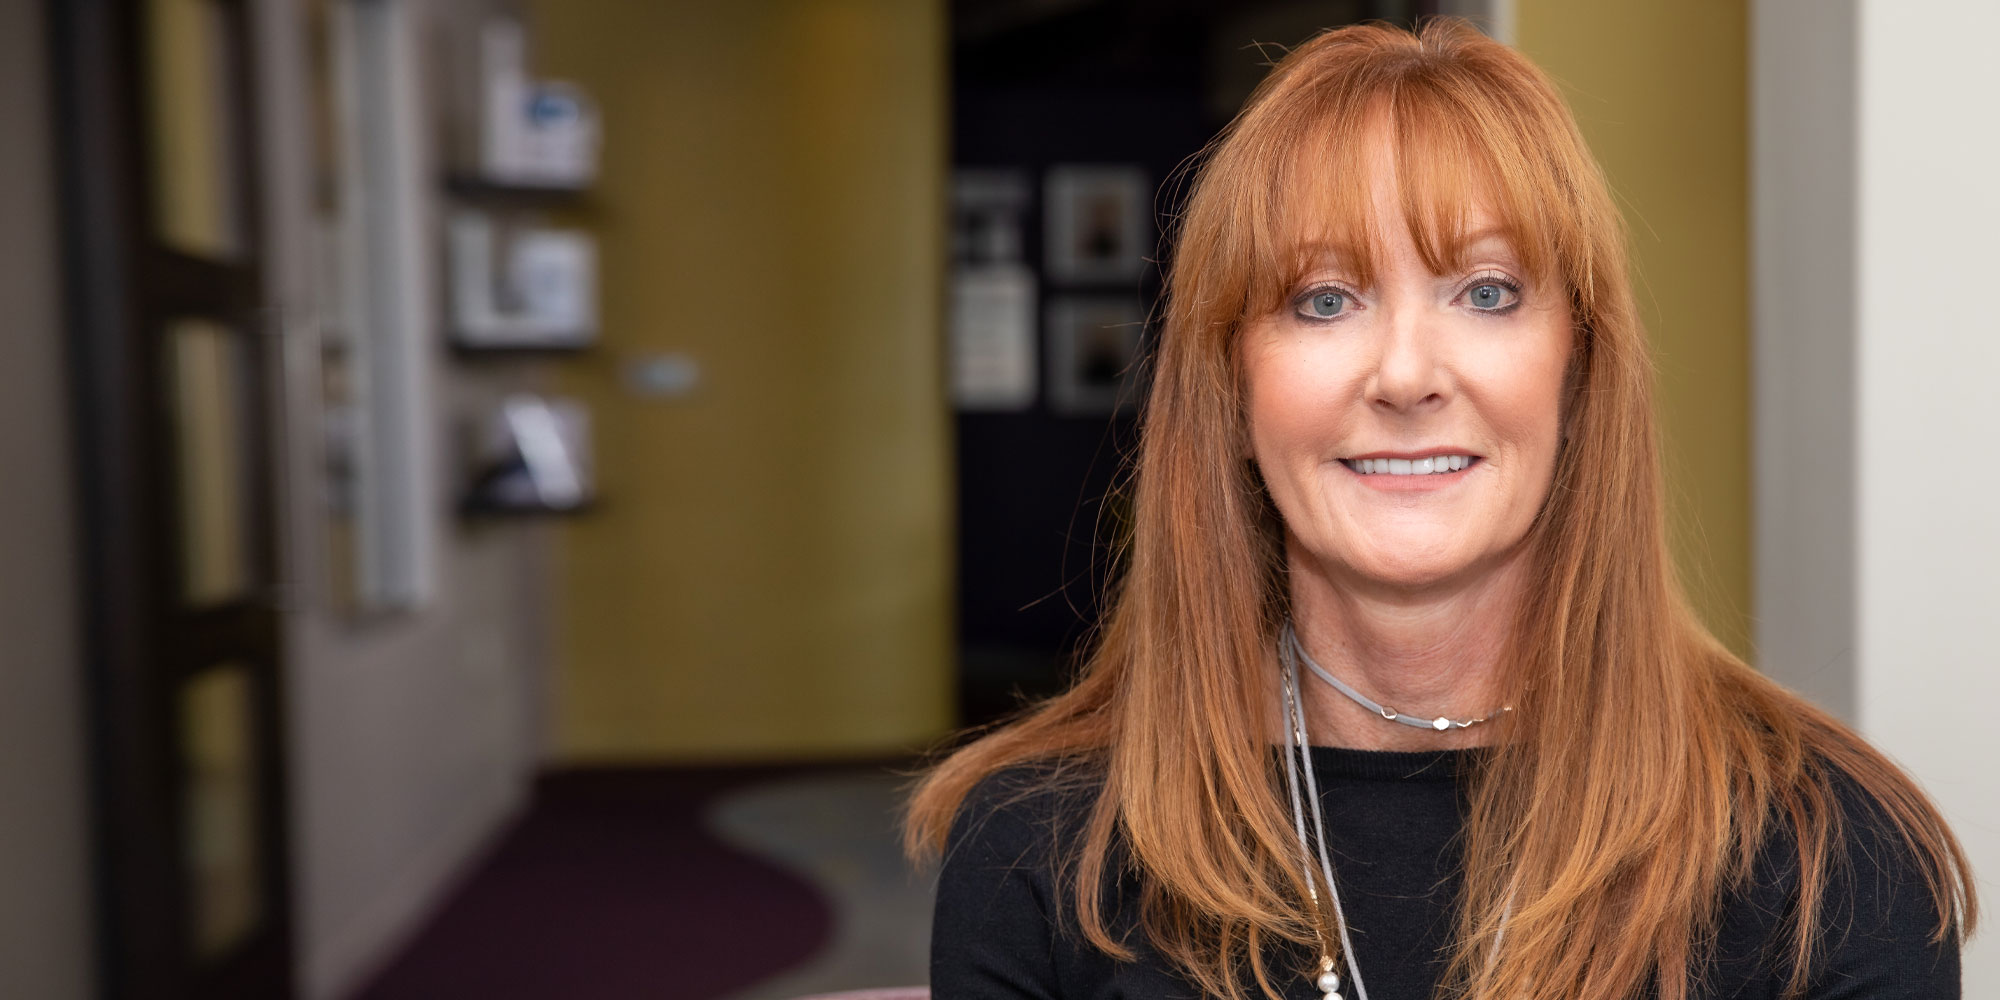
(1329, 982)
(1331, 996)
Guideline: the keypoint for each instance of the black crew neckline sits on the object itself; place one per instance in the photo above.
(1393, 765)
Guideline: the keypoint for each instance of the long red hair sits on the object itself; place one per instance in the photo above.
(1646, 764)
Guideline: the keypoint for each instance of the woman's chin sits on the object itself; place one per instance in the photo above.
(1412, 577)
(1401, 570)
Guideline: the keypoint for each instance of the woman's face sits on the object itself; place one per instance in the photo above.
(1407, 430)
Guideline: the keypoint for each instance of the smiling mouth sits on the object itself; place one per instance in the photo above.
(1432, 465)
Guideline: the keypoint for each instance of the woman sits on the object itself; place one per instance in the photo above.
(1397, 500)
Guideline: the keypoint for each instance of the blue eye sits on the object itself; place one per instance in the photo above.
(1491, 296)
(1323, 304)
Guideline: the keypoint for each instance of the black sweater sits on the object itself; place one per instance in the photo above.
(1005, 929)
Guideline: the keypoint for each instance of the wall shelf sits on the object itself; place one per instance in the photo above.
(474, 508)
(468, 349)
(476, 188)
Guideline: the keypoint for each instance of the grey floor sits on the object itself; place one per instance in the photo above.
(838, 831)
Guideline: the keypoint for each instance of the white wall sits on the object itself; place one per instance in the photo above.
(413, 736)
(45, 942)
(1878, 385)
(1928, 399)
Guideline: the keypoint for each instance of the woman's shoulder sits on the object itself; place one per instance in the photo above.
(1025, 810)
(1848, 867)
(1002, 914)
(1884, 863)
(1881, 830)
(1872, 839)
(1007, 922)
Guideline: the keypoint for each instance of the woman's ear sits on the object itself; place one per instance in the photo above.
(1573, 385)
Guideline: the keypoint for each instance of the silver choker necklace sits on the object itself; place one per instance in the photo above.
(1293, 646)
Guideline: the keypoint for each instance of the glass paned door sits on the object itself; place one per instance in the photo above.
(219, 806)
(177, 461)
(192, 68)
(207, 387)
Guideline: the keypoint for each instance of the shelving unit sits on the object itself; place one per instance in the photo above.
(522, 292)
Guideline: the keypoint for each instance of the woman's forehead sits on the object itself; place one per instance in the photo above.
(1345, 180)
(1351, 215)
(1484, 241)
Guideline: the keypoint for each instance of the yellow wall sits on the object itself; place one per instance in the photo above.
(1659, 89)
(769, 573)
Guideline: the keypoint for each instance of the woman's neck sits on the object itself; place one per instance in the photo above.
(1427, 653)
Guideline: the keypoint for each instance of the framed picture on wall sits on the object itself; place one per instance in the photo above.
(1098, 224)
(1095, 346)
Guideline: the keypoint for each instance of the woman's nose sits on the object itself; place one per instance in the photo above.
(1408, 376)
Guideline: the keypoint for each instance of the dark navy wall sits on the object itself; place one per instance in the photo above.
(1124, 82)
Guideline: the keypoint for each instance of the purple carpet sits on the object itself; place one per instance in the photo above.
(609, 887)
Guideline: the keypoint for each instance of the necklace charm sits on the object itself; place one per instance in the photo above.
(1329, 980)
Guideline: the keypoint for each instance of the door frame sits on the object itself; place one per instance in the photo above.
(121, 288)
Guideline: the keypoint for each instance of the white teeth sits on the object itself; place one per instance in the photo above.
(1432, 465)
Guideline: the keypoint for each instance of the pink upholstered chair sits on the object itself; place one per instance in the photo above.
(892, 993)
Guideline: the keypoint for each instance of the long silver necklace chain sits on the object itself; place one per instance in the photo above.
(1298, 757)
(1296, 648)
(1296, 750)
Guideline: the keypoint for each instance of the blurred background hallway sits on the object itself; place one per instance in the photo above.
(503, 494)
